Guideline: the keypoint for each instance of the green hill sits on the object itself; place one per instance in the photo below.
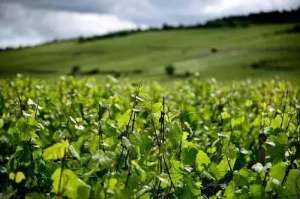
(226, 53)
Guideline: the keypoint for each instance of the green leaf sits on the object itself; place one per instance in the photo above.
(278, 171)
(227, 162)
(175, 171)
(123, 119)
(202, 160)
(1, 123)
(19, 177)
(139, 170)
(229, 191)
(11, 176)
(242, 177)
(257, 191)
(189, 150)
(189, 154)
(257, 121)
(73, 152)
(35, 195)
(156, 108)
(276, 122)
(2, 103)
(56, 151)
(175, 135)
(112, 185)
(164, 179)
(71, 186)
(225, 115)
(191, 188)
(26, 128)
(276, 147)
(293, 183)
(222, 168)
(237, 121)
(248, 103)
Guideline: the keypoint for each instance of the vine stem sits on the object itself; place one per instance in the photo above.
(157, 183)
(132, 120)
(287, 171)
(129, 127)
(59, 193)
(36, 109)
(100, 141)
(162, 159)
(101, 111)
(168, 172)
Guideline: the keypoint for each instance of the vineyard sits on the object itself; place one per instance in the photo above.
(79, 138)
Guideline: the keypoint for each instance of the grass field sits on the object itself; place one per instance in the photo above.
(256, 51)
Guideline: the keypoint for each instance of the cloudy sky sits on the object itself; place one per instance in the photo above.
(27, 22)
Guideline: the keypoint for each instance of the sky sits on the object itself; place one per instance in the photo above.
(29, 22)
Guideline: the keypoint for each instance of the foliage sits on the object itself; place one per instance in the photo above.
(170, 70)
(191, 139)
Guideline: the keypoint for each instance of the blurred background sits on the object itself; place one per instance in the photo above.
(151, 39)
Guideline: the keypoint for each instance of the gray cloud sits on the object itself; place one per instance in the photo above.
(33, 21)
(25, 26)
(66, 5)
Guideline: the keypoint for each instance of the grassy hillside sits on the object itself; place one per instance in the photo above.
(258, 51)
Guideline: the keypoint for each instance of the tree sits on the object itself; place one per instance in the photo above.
(170, 70)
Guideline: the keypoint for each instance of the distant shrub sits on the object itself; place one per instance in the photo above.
(166, 26)
(94, 71)
(271, 65)
(188, 74)
(137, 71)
(117, 74)
(81, 39)
(213, 50)
(170, 70)
(75, 70)
(295, 29)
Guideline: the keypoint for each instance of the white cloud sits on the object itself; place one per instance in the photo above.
(35, 26)
(68, 24)
(234, 7)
